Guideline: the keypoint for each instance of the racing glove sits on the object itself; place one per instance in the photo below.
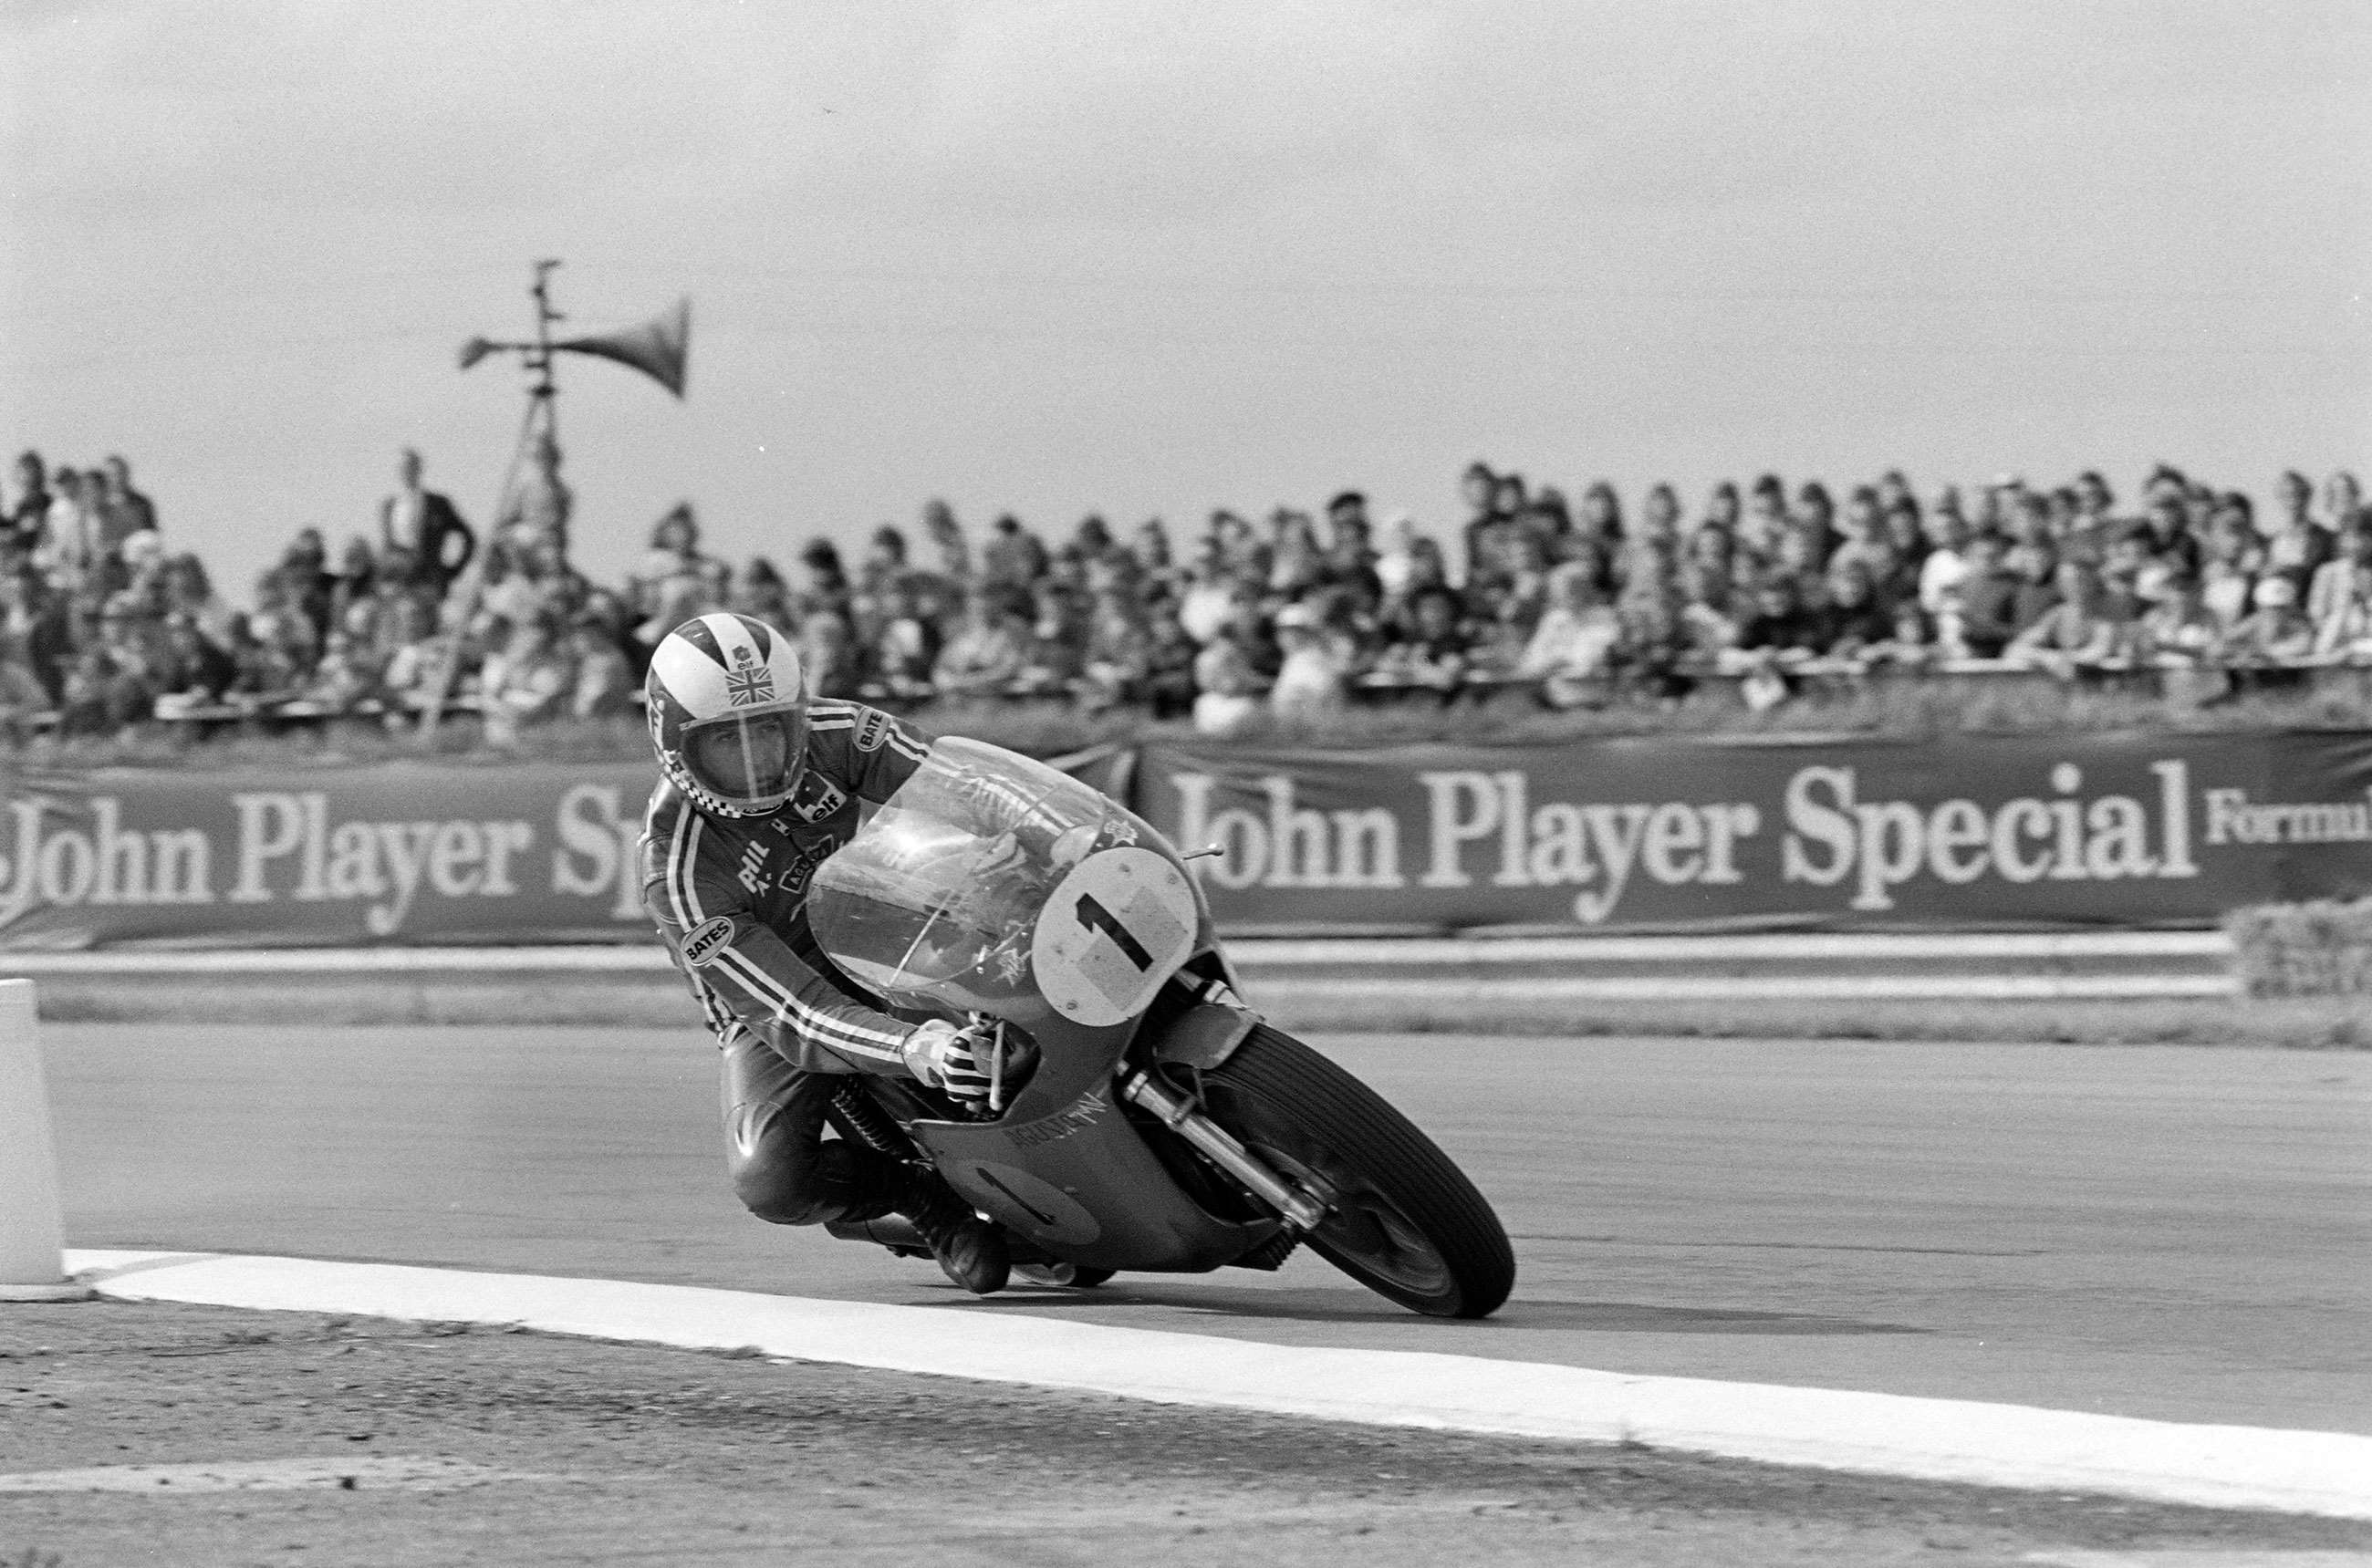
(944, 1057)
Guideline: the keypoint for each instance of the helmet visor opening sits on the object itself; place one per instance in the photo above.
(749, 760)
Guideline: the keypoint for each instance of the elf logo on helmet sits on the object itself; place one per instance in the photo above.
(750, 682)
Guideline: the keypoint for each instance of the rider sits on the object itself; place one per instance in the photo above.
(760, 785)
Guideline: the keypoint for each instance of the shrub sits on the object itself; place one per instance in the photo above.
(2321, 948)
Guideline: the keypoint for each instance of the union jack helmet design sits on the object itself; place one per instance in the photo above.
(728, 711)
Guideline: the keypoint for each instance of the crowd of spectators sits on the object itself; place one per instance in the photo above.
(103, 626)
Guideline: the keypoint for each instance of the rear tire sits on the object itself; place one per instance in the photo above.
(1406, 1223)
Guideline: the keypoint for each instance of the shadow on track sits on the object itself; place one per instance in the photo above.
(1352, 1307)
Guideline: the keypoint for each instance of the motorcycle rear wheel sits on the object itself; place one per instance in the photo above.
(1406, 1223)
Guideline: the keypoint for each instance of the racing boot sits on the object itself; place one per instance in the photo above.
(971, 1251)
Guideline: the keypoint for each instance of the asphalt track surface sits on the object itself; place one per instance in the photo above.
(2167, 1232)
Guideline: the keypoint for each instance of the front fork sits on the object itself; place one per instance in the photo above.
(1302, 1209)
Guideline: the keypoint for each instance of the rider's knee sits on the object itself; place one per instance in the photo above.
(779, 1197)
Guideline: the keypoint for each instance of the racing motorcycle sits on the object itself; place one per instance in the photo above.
(1139, 1116)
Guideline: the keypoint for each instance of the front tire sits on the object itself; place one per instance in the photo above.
(1405, 1222)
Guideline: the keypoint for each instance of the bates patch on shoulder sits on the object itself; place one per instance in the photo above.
(872, 730)
(707, 939)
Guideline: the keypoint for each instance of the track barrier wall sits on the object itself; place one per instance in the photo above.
(1600, 835)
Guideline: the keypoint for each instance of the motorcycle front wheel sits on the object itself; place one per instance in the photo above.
(1404, 1221)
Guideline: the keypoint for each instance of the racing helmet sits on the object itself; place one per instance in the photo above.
(728, 713)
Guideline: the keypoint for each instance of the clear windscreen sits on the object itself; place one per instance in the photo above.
(935, 903)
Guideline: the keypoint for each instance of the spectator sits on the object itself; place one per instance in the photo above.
(124, 513)
(2077, 632)
(28, 511)
(1057, 655)
(2228, 577)
(425, 525)
(1486, 536)
(2342, 502)
(1228, 685)
(133, 631)
(68, 552)
(1431, 649)
(2178, 629)
(763, 594)
(883, 567)
(1150, 549)
(827, 587)
(1816, 513)
(828, 652)
(2275, 631)
(1116, 663)
(527, 682)
(1855, 618)
(1299, 566)
(1721, 509)
(1208, 588)
(1779, 625)
(1662, 517)
(1013, 557)
(947, 543)
(101, 697)
(986, 657)
(346, 675)
(1169, 660)
(1946, 564)
(24, 701)
(536, 511)
(2339, 604)
(905, 646)
(1765, 522)
(1478, 488)
(1571, 650)
(1707, 630)
(196, 666)
(669, 586)
(603, 684)
(2295, 550)
(2298, 503)
(1318, 661)
(418, 674)
(33, 630)
(2036, 567)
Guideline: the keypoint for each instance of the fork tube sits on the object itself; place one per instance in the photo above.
(1178, 1113)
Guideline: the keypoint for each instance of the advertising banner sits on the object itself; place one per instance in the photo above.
(1669, 833)
(1611, 835)
(393, 852)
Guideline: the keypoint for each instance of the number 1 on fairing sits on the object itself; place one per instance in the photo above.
(1095, 917)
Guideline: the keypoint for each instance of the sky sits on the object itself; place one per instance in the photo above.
(1062, 257)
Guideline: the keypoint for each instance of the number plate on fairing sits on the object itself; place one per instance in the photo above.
(1117, 927)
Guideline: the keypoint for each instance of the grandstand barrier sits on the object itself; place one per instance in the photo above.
(1597, 835)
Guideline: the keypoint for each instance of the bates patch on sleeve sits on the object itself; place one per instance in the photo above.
(707, 939)
(872, 730)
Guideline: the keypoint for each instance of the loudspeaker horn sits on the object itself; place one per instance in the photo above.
(658, 348)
